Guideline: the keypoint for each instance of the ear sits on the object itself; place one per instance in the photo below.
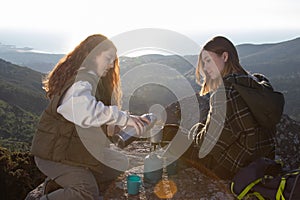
(225, 56)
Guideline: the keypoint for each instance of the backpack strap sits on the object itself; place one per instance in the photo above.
(297, 173)
(279, 194)
(258, 195)
(247, 189)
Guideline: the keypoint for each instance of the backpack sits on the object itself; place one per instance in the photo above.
(267, 116)
(266, 179)
(265, 104)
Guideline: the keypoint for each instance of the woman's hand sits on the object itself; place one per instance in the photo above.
(138, 123)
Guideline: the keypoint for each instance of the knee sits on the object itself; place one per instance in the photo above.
(84, 191)
(89, 189)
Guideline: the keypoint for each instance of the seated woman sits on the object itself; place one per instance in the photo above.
(231, 136)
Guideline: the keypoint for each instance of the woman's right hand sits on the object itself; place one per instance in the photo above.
(138, 123)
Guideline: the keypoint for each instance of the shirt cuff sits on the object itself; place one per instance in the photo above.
(123, 118)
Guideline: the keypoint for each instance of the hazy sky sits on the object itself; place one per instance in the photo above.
(59, 25)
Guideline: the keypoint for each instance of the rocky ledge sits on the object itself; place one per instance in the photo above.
(190, 182)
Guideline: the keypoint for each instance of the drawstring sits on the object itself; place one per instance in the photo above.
(195, 134)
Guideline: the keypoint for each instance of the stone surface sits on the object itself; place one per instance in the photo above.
(288, 142)
(192, 183)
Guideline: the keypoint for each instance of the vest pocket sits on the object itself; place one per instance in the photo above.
(43, 145)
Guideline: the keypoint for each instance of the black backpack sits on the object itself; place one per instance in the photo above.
(266, 179)
(265, 104)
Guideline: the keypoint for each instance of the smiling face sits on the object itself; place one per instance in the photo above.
(105, 61)
(213, 64)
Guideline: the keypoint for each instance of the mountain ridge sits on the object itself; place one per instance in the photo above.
(279, 51)
(249, 54)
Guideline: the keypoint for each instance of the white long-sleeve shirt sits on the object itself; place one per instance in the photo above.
(81, 107)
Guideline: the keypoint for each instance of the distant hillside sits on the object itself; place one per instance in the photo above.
(266, 52)
(22, 87)
(16, 127)
(181, 64)
(245, 50)
(272, 59)
(42, 62)
(22, 100)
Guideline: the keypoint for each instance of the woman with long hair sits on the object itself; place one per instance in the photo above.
(231, 136)
(84, 93)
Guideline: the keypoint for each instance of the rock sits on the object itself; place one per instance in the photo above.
(190, 182)
(36, 193)
(204, 187)
(288, 137)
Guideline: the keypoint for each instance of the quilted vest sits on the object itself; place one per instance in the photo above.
(57, 139)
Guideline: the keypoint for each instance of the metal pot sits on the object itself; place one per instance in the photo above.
(156, 133)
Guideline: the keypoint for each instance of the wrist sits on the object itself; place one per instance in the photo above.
(127, 116)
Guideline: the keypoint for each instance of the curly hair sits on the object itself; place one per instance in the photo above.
(67, 68)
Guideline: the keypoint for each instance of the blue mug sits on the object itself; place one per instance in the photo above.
(134, 183)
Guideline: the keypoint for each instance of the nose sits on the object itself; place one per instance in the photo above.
(205, 67)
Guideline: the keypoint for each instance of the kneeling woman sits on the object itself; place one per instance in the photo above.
(70, 145)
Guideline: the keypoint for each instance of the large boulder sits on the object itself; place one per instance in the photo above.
(191, 181)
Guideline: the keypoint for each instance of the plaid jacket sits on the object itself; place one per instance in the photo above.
(231, 135)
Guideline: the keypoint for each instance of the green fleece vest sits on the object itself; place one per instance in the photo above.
(56, 139)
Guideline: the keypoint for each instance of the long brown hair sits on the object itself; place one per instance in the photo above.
(218, 45)
(68, 66)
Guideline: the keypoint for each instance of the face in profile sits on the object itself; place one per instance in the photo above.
(213, 64)
(105, 61)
